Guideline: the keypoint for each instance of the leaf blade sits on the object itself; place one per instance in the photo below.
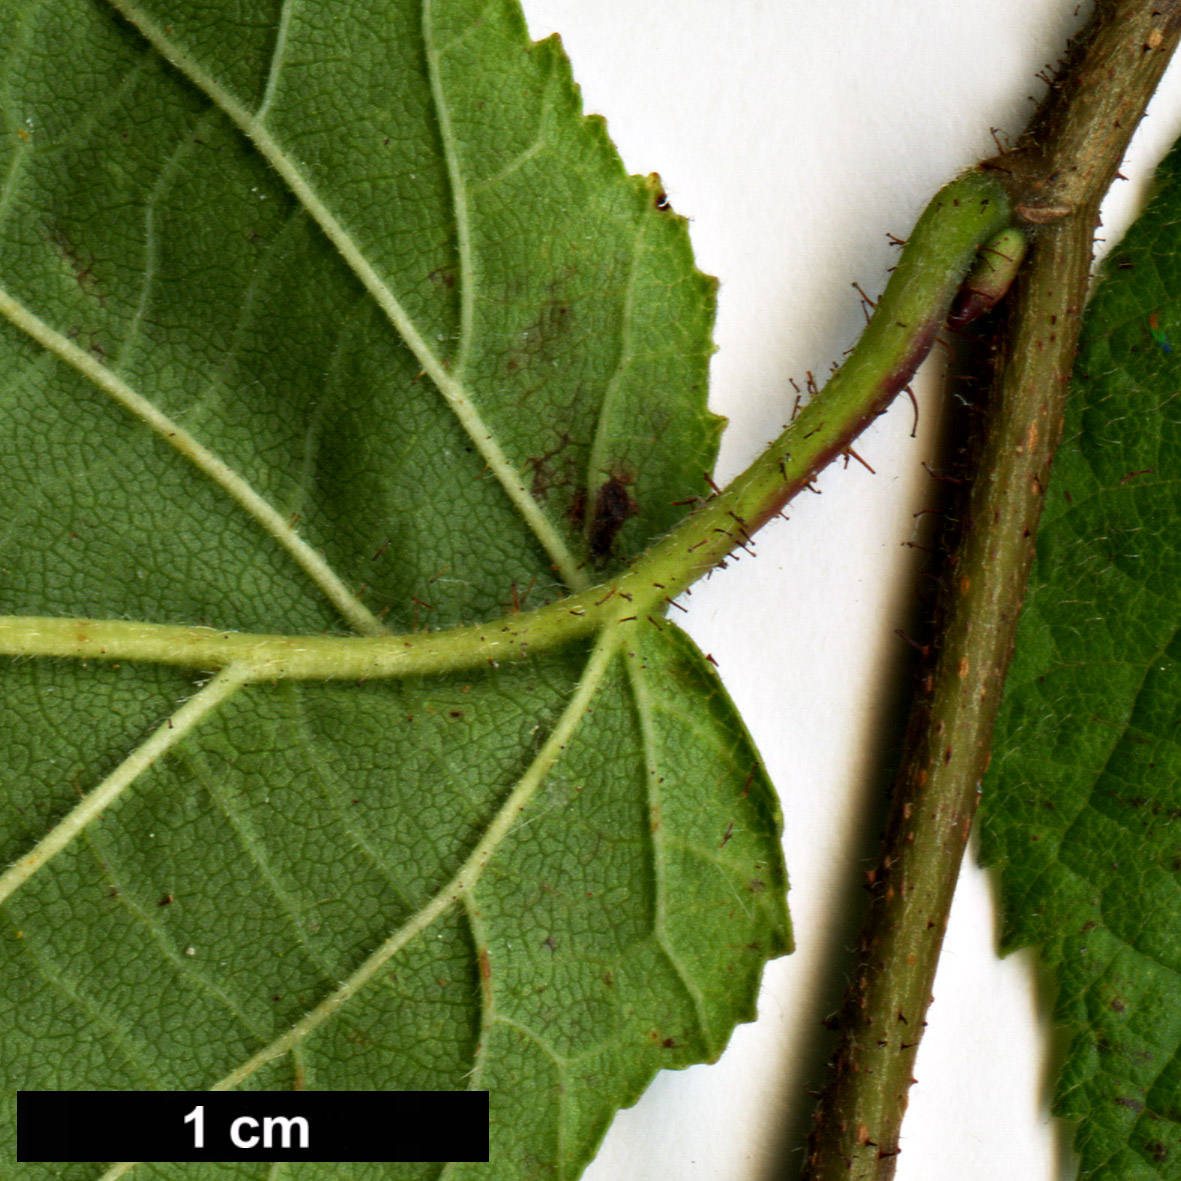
(271, 853)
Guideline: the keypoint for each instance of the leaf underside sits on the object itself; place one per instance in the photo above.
(373, 258)
(1082, 809)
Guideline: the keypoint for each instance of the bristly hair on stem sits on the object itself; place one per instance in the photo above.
(1056, 177)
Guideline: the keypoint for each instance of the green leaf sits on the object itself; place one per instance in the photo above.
(332, 314)
(1082, 807)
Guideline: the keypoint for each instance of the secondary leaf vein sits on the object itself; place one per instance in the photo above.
(182, 965)
(276, 65)
(453, 391)
(644, 712)
(254, 848)
(199, 706)
(456, 179)
(209, 464)
(119, 1037)
(596, 466)
(465, 879)
(330, 788)
(487, 996)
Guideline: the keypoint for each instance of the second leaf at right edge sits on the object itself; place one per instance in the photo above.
(1082, 807)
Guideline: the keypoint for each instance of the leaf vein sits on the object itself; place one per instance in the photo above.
(176, 727)
(276, 64)
(644, 711)
(16, 166)
(209, 464)
(561, 1066)
(121, 1039)
(151, 241)
(484, 972)
(464, 880)
(596, 464)
(540, 142)
(453, 392)
(255, 849)
(456, 181)
(183, 964)
(330, 789)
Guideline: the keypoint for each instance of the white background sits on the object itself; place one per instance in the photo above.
(795, 134)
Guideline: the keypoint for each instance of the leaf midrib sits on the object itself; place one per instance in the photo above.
(452, 390)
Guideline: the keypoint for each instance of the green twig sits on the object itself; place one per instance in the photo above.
(1057, 175)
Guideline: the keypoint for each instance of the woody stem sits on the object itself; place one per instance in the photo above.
(1057, 176)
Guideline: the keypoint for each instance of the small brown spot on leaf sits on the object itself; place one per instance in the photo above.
(613, 506)
(576, 513)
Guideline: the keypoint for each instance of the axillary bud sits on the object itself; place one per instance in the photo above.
(993, 272)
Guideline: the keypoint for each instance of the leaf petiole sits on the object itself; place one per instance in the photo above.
(964, 217)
